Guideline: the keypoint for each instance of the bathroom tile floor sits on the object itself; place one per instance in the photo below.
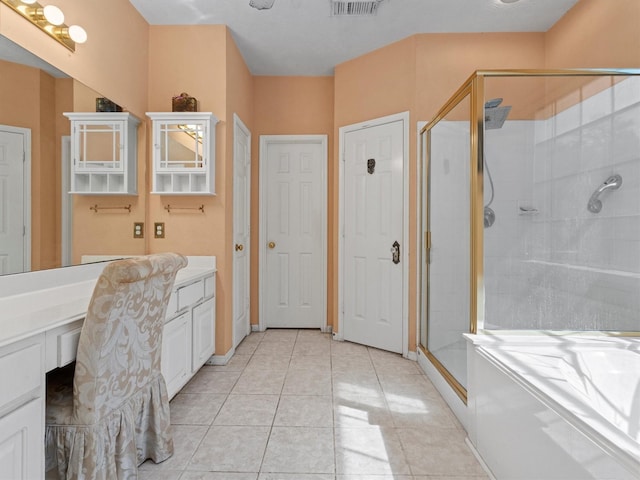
(296, 405)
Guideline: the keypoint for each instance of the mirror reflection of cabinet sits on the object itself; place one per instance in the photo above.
(103, 153)
(184, 145)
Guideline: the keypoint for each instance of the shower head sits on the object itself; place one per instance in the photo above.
(494, 117)
(493, 103)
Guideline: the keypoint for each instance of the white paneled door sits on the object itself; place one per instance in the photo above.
(373, 244)
(241, 229)
(14, 245)
(293, 231)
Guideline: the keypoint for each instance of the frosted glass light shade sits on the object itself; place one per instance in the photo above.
(53, 15)
(28, 2)
(77, 34)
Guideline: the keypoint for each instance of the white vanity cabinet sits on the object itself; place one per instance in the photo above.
(22, 409)
(184, 145)
(188, 339)
(103, 153)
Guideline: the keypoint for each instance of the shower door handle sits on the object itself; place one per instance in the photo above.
(395, 252)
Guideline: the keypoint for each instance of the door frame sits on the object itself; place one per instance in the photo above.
(26, 191)
(404, 118)
(66, 202)
(238, 124)
(265, 141)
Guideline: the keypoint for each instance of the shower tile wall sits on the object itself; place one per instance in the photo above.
(560, 266)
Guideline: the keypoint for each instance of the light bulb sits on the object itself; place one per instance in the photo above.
(77, 34)
(28, 2)
(53, 15)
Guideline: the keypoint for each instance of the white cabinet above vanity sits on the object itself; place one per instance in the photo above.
(183, 150)
(103, 153)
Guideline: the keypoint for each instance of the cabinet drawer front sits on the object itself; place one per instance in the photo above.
(28, 363)
(190, 294)
(209, 286)
(68, 346)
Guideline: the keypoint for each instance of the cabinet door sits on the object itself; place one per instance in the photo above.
(21, 443)
(176, 353)
(204, 332)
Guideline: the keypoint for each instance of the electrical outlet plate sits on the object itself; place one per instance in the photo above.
(158, 230)
(138, 229)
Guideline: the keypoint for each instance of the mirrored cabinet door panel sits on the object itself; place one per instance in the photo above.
(103, 153)
(183, 153)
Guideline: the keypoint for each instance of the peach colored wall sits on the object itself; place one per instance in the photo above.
(113, 61)
(288, 106)
(418, 75)
(108, 232)
(28, 99)
(596, 34)
(204, 62)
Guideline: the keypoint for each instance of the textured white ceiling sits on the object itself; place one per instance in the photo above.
(300, 37)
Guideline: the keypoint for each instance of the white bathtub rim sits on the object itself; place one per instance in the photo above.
(615, 443)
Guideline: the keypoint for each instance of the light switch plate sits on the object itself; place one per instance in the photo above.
(138, 229)
(158, 230)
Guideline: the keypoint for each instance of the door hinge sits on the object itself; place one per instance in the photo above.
(24, 230)
(427, 240)
(24, 156)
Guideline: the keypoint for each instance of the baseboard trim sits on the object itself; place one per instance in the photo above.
(221, 359)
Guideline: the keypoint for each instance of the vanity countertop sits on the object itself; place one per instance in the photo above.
(45, 306)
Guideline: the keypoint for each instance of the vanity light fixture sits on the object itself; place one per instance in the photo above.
(50, 20)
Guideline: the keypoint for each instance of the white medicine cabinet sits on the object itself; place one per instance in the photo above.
(103, 153)
(184, 145)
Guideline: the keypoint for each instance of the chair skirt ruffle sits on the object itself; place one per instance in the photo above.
(114, 447)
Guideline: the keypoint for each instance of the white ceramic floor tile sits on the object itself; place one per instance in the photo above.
(299, 450)
(374, 477)
(218, 476)
(260, 382)
(373, 450)
(195, 408)
(231, 449)
(208, 381)
(362, 412)
(186, 439)
(438, 451)
(311, 362)
(275, 348)
(307, 382)
(295, 476)
(247, 410)
(304, 407)
(352, 364)
(304, 411)
(321, 347)
(269, 362)
(159, 475)
(348, 348)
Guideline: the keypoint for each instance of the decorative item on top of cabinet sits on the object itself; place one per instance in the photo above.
(103, 153)
(184, 145)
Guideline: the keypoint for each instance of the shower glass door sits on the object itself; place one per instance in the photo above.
(447, 202)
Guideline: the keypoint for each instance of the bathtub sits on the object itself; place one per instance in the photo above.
(555, 407)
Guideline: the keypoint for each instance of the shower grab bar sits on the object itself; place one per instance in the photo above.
(612, 183)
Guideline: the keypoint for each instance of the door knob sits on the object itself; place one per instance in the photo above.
(272, 244)
(239, 247)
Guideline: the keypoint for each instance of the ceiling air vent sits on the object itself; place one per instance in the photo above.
(354, 7)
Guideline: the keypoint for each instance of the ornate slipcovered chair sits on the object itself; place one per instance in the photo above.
(116, 413)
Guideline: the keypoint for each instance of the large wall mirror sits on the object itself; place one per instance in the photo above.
(36, 211)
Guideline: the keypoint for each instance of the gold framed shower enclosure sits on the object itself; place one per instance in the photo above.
(549, 109)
